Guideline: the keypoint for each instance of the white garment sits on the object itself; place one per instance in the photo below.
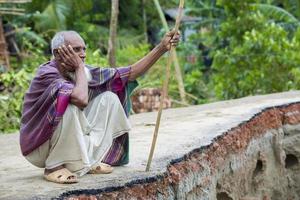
(82, 138)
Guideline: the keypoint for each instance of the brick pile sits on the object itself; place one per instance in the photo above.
(148, 100)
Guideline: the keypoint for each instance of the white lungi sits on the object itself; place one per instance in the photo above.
(82, 138)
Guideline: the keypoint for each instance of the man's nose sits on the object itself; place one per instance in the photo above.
(82, 54)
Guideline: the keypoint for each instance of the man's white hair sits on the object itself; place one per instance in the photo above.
(59, 39)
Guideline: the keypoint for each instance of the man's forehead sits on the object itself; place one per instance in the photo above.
(73, 39)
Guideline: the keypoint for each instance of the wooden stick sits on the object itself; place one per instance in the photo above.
(165, 87)
(178, 73)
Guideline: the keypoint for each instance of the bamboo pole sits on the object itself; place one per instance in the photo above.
(175, 58)
(165, 87)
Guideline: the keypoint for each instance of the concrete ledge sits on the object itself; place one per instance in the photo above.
(194, 145)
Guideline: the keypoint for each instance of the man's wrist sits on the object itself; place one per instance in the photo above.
(162, 48)
(80, 67)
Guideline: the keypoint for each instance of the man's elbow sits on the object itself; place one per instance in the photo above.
(80, 102)
(83, 103)
(132, 78)
(133, 73)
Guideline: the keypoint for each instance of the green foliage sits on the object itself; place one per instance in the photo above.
(254, 46)
(195, 85)
(125, 56)
(15, 83)
(194, 69)
(131, 54)
(211, 14)
(259, 58)
(292, 6)
(275, 12)
(56, 14)
(278, 15)
(258, 52)
(10, 99)
(95, 58)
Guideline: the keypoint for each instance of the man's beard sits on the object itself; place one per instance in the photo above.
(72, 75)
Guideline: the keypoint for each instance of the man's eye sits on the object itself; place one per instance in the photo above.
(76, 49)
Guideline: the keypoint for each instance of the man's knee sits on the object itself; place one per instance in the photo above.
(111, 97)
(71, 110)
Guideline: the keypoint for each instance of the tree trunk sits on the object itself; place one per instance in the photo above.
(4, 56)
(175, 59)
(113, 33)
(144, 20)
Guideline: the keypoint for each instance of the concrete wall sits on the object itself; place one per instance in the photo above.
(232, 150)
(257, 160)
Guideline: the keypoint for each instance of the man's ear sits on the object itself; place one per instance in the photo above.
(56, 54)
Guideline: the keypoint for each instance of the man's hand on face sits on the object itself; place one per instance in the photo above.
(170, 39)
(69, 59)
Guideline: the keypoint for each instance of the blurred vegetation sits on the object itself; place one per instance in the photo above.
(237, 48)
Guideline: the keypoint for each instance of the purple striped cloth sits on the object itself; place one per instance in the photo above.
(48, 97)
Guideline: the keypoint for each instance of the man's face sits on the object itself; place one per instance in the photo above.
(76, 43)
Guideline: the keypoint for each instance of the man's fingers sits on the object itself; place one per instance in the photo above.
(177, 36)
(62, 53)
(168, 34)
(67, 67)
(66, 50)
(175, 39)
(172, 32)
(71, 50)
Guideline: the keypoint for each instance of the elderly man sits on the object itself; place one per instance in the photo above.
(75, 116)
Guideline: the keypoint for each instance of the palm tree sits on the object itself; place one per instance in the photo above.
(211, 15)
(279, 15)
(292, 6)
(54, 13)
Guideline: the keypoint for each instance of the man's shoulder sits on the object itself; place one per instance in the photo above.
(46, 63)
(47, 68)
(101, 69)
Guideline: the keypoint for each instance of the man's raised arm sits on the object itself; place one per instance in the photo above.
(140, 67)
